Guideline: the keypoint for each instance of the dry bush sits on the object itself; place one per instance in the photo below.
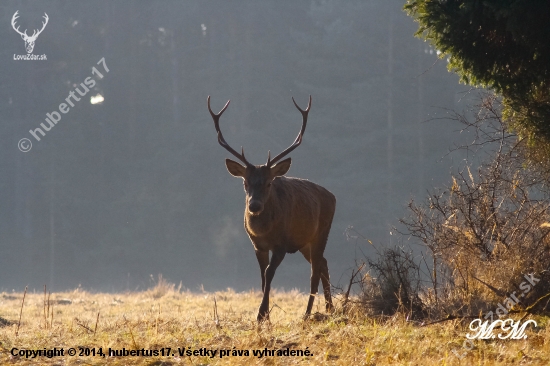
(490, 227)
(162, 287)
(389, 283)
(480, 236)
(396, 286)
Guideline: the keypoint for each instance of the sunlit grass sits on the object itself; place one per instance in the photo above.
(166, 317)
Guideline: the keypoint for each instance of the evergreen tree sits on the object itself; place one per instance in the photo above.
(500, 44)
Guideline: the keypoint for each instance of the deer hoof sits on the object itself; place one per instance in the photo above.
(262, 316)
(315, 317)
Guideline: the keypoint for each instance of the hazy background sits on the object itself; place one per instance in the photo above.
(137, 185)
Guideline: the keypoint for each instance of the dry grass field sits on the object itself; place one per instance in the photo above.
(165, 318)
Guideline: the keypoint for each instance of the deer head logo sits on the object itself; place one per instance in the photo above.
(29, 40)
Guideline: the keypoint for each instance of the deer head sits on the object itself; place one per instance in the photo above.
(257, 179)
(29, 40)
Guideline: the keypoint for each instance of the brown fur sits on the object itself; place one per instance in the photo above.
(296, 208)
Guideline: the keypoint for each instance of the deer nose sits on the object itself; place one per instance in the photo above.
(255, 206)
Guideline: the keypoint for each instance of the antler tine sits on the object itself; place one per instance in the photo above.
(14, 18)
(215, 116)
(221, 140)
(300, 109)
(298, 140)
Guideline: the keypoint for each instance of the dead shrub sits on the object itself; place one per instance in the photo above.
(490, 227)
(481, 235)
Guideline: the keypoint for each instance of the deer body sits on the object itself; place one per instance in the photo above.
(297, 208)
(283, 215)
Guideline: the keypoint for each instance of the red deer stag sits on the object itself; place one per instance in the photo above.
(283, 215)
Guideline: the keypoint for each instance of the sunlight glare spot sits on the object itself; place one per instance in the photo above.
(97, 99)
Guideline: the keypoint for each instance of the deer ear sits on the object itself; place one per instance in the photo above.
(281, 168)
(234, 168)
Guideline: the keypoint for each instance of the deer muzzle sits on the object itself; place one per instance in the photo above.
(255, 207)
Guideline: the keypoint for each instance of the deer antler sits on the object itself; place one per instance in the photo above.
(24, 34)
(46, 18)
(13, 19)
(296, 142)
(221, 140)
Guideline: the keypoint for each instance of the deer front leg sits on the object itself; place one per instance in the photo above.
(276, 259)
(263, 261)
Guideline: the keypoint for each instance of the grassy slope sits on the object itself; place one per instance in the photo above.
(164, 317)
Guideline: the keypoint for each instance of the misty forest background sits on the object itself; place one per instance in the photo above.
(137, 185)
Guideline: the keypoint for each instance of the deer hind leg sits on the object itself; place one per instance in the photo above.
(319, 271)
(276, 259)
(325, 279)
(307, 252)
(315, 277)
